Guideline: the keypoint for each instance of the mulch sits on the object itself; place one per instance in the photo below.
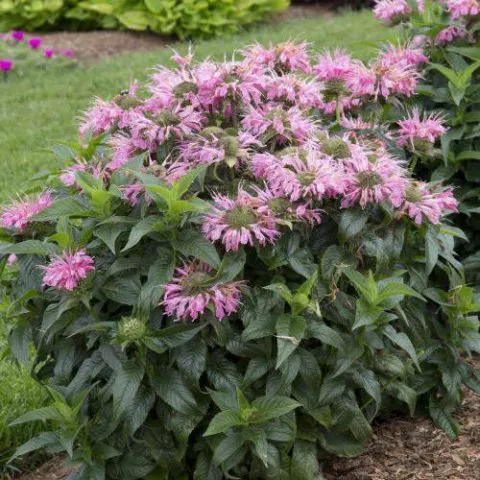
(92, 46)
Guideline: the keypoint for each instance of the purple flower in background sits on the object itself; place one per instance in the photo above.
(6, 65)
(48, 52)
(67, 53)
(35, 43)
(18, 35)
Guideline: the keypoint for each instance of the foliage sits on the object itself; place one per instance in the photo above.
(450, 88)
(194, 318)
(183, 18)
(20, 54)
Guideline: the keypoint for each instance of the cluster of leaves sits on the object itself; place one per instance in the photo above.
(450, 87)
(342, 318)
(183, 18)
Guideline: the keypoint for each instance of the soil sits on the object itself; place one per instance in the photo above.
(91, 46)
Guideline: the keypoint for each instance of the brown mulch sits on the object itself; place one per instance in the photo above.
(95, 45)
(414, 449)
(54, 469)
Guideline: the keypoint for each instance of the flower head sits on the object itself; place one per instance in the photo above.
(460, 8)
(423, 202)
(67, 53)
(240, 221)
(34, 43)
(65, 271)
(6, 65)
(18, 35)
(373, 179)
(391, 11)
(449, 34)
(48, 52)
(17, 216)
(419, 132)
(194, 289)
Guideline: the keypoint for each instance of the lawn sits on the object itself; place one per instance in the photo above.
(39, 111)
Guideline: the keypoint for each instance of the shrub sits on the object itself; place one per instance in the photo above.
(20, 53)
(183, 18)
(228, 282)
(448, 35)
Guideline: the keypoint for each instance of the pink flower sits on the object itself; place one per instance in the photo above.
(292, 90)
(415, 131)
(100, 118)
(67, 53)
(421, 201)
(5, 65)
(284, 57)
(194, 290)
(459, 8)
(373, 180)
(67, 270)
(67, 177)
(209, 148)
(275, 122)
(355, 124)
(123, 149)
(301, 175)
(242, 221)
(34, 42)
(391, 11)
(149, 133)
(336, 66)
(18, 35)
(449, 34)
(407, 55)
(133, 193)
(12, 258)
(17, 216)
(48, 52)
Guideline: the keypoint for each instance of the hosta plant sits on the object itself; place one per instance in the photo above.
(226, 282)
(447, 33)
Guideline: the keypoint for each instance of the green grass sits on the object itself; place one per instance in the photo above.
(38, 111)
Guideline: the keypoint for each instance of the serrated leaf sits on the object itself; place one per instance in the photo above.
(290, 332)
(193, 244)
(223, 421)
(125, 387)
(268, 408)
(402, 340)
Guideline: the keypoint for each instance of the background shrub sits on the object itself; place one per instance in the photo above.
(450, 88)
(183, 18)
(195, 318)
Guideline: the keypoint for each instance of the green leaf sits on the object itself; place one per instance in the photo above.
(443, 419)
(402, 340)
(193, 244)
(109, 233)
(40, 414)
(125, 387)
(30, 247)
(142, 228)
(366, 379)
(405, 394)
(365, 286)
(326, 334)
(305, 464)
(223, 421)
(352, 222)
(65, 207)
(228, 447)
(366, 314)
(45, 439)
(432, 251)
(394, 289)
(290, 332)
(231, 266)
(174, 391)
(268, 408)
(282, 290)
(331, 259)
(124, 290)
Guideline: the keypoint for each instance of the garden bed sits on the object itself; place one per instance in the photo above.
(401, 448)
(99, 44)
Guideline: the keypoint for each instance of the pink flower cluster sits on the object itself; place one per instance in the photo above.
(17, 216)
(194, 290)
(258, 125)
(17, 38)
(67, 270)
